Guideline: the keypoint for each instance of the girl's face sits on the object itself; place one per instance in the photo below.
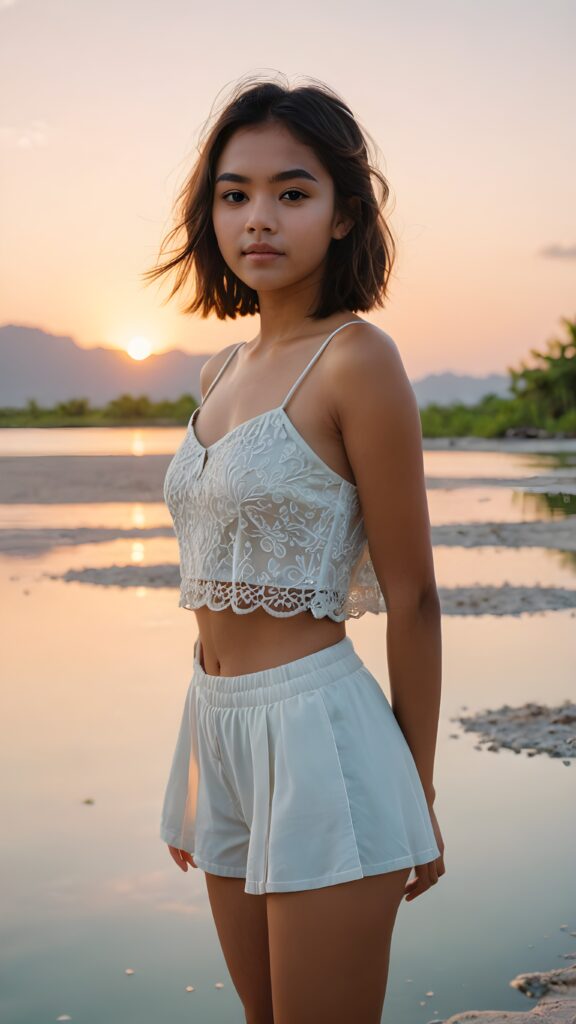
(294, 215)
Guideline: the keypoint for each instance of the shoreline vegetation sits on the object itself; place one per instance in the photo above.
(542, 404)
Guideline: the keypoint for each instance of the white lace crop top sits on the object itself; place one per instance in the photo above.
(262, 521)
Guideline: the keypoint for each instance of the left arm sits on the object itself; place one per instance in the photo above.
(379, 422)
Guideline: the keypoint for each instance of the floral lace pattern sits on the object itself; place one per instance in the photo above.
(262, 521)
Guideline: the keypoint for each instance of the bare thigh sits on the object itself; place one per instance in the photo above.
(242, 926)
(330, 948)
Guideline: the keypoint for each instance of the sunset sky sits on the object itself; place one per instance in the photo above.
(470, 103)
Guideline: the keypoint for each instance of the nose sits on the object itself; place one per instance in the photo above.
(260, 216)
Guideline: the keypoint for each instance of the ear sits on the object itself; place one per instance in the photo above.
(345, 219)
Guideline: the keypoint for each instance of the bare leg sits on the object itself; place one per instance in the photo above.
(242, 927)
(330, 949)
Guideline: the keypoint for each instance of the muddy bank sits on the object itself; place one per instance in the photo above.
(548, 533)
(550, 483)
(556, 994)
(479, 600)
(83, 479)
(532, 728)
(519, 445)
(559, 534)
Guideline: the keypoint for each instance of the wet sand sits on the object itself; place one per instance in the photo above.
(81, 479)
(478, 600)
(533, 728)
(558, 534)
(556, 994)
(127, 478)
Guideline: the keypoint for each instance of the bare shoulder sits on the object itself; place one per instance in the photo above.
(379, 421)
(366, 363)
(213, 365)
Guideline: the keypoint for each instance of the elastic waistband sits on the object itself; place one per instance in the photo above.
(270, 684)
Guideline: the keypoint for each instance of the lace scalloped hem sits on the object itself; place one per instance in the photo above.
(280, 602)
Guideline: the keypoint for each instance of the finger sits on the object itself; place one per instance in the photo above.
(177, 857)
(420, 883)
(426, 876)
(439, 867)
(415, 888)
(415, 893)
(420, 874)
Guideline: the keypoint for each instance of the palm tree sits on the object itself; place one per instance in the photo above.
(549, 388)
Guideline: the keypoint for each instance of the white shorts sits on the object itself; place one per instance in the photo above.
(295, 777)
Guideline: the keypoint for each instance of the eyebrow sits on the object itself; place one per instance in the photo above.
(295, 172)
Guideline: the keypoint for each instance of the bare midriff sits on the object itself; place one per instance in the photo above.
(231, 644)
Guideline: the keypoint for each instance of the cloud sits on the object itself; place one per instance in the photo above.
(559, 251)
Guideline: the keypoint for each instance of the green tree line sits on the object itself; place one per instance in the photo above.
(542, 401)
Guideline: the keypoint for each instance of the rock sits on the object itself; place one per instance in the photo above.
(555, 989)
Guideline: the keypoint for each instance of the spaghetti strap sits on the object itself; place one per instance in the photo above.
(315, 357)
(221, 370)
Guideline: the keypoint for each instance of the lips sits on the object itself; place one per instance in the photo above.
(263, 250)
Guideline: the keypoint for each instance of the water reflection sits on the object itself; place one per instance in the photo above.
(93, 683)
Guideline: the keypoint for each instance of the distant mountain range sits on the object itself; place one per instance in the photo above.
(50, 368)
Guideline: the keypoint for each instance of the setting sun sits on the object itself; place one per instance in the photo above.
(139, 348)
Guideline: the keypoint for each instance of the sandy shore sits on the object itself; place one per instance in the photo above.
(520, 445)
(475, 600)
(125, 478)
(81, 479)
(556, 994)
(559, 534)
(533, 728)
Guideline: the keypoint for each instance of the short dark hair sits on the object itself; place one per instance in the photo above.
(358, 266)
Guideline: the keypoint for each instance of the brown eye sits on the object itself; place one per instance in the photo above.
(290, 191)
(295, 190)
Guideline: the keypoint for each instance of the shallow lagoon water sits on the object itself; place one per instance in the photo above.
(93, 681)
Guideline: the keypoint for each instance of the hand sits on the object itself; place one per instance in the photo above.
(427, 874)
(182, 858)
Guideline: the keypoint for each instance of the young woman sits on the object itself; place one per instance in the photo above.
(298, 500)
